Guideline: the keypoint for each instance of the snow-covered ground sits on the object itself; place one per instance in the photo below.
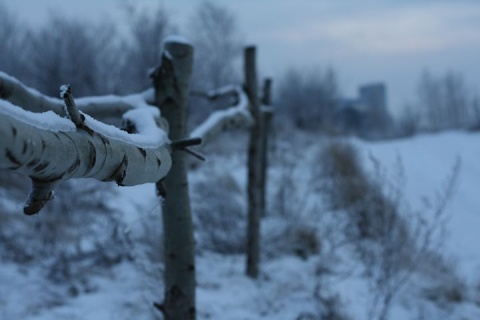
(428, 160)
(289, 287)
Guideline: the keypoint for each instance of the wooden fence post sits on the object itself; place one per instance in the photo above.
(266, 118)
(171, 81)
(254, 166)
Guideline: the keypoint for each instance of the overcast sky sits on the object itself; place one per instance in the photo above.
(363, 40)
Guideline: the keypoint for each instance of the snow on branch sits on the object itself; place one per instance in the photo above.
(51, 149)
(216, 93)
(101, 107)
(233, 117)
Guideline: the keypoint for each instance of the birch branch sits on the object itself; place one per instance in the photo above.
(51, 149)
(216, 93)
(101, 107)
(237, 116)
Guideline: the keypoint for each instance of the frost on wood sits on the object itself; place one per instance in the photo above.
(49, 155)
(234, 117)
(102, 107)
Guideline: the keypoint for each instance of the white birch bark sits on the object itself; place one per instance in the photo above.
(50, 157)
(171, 82)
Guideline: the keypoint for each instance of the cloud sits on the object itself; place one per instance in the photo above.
(408, 29)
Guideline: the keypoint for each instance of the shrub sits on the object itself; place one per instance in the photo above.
(292, 208)
(387, 237)
(219, 212)
(75, 231)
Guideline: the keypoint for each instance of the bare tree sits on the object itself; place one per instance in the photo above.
(141, 50)
(12, 35)
(215, 35)
(455, 99)
(308, 98)
(68, 51)
(428, 95)
(409, 122)
(443, 101)
(475, 124)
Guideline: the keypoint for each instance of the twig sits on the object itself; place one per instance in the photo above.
(70, 107)
(180, 144)
(185, 143)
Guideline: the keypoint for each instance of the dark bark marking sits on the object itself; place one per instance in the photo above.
(51, 178)
(33, 163)
(159, 163)
(73, 167)
(104, 140)
(92, 160)
(44, 146)
(56, 135)
(41, 166)
(175, 294)
(122, 171)
(161, 189)
(12, 158)
(143, 152)
(24, 147)
(119, 173)
(14, 131)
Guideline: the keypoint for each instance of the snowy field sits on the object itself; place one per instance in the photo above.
(428, 160)
(290, 286)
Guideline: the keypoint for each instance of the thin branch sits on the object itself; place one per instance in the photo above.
(183, 143)
(100, 107)
(71, 109)
(194, 153)
(237, 116)
(214, 94)
(19, 94)
(201, 94)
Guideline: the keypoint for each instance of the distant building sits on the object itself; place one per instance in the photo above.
(366, 115)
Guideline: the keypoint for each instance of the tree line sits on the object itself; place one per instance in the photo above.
(113, 60)
(102, 58)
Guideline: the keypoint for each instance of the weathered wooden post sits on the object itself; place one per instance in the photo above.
(171, 81)
(254, 191)
(266, 118)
